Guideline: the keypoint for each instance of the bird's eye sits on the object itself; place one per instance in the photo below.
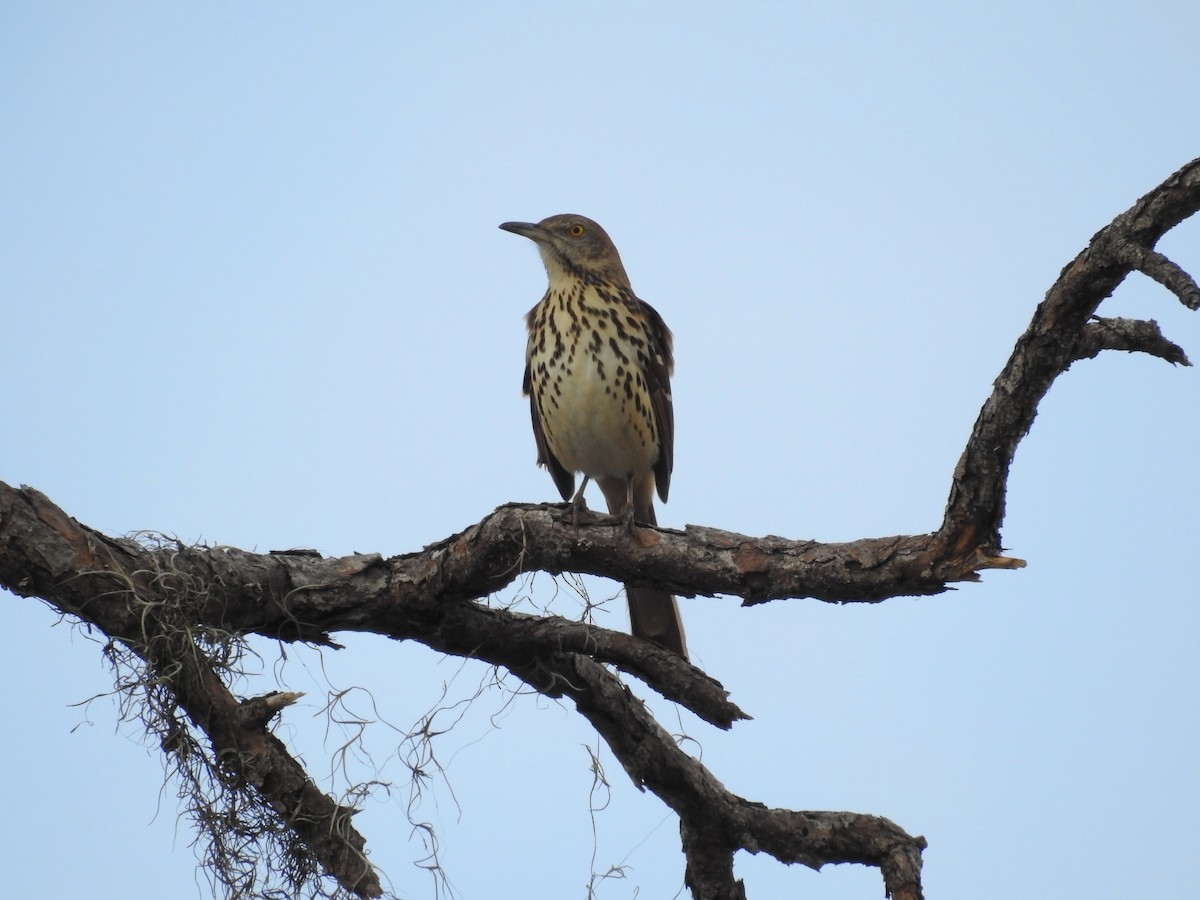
(576, 231)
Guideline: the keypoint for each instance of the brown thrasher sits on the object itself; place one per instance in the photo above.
(597, 372)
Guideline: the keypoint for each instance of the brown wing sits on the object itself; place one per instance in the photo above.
(658, 376)
(563, 480)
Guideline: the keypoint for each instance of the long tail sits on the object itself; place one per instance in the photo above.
(653, 613)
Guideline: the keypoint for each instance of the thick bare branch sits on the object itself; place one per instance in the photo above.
(716, 822)
(975, 509)
(117, 587)
(431, 597)
(415, 597)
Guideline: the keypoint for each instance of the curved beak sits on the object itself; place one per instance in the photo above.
(529, 230)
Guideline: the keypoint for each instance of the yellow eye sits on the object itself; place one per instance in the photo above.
(576, 231)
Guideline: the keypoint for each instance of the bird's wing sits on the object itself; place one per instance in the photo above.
(658, 375)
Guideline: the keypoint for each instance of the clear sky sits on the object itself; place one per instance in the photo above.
(252, 292)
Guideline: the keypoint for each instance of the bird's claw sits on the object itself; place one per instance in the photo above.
(626, 518)
(578, 505)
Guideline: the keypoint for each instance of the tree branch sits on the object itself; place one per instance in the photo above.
(147, 603)
(179, 608)
(1154, 265)
(975, 509)
(1133, 335)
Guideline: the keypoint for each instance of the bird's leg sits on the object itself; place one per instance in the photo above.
(578, 503)
(627, 514)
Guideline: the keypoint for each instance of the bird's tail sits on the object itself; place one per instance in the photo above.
(653, 612)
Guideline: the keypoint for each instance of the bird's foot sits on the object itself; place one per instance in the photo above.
(578, 505)
(626, 518)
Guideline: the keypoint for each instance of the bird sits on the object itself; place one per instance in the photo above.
(598, 366)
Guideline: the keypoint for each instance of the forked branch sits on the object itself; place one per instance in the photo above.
(431, 597)
(1058, 335)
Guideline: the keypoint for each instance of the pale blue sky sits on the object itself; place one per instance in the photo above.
(252, 292)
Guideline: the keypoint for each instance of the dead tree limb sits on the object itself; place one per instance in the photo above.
(170, 604)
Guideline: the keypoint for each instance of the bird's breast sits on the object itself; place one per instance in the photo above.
(587, 376)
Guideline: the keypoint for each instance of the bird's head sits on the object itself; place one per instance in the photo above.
(573, 246)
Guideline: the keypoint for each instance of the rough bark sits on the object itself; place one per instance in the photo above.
(165, 604)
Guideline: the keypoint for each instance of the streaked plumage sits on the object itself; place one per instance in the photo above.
(598, 364)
